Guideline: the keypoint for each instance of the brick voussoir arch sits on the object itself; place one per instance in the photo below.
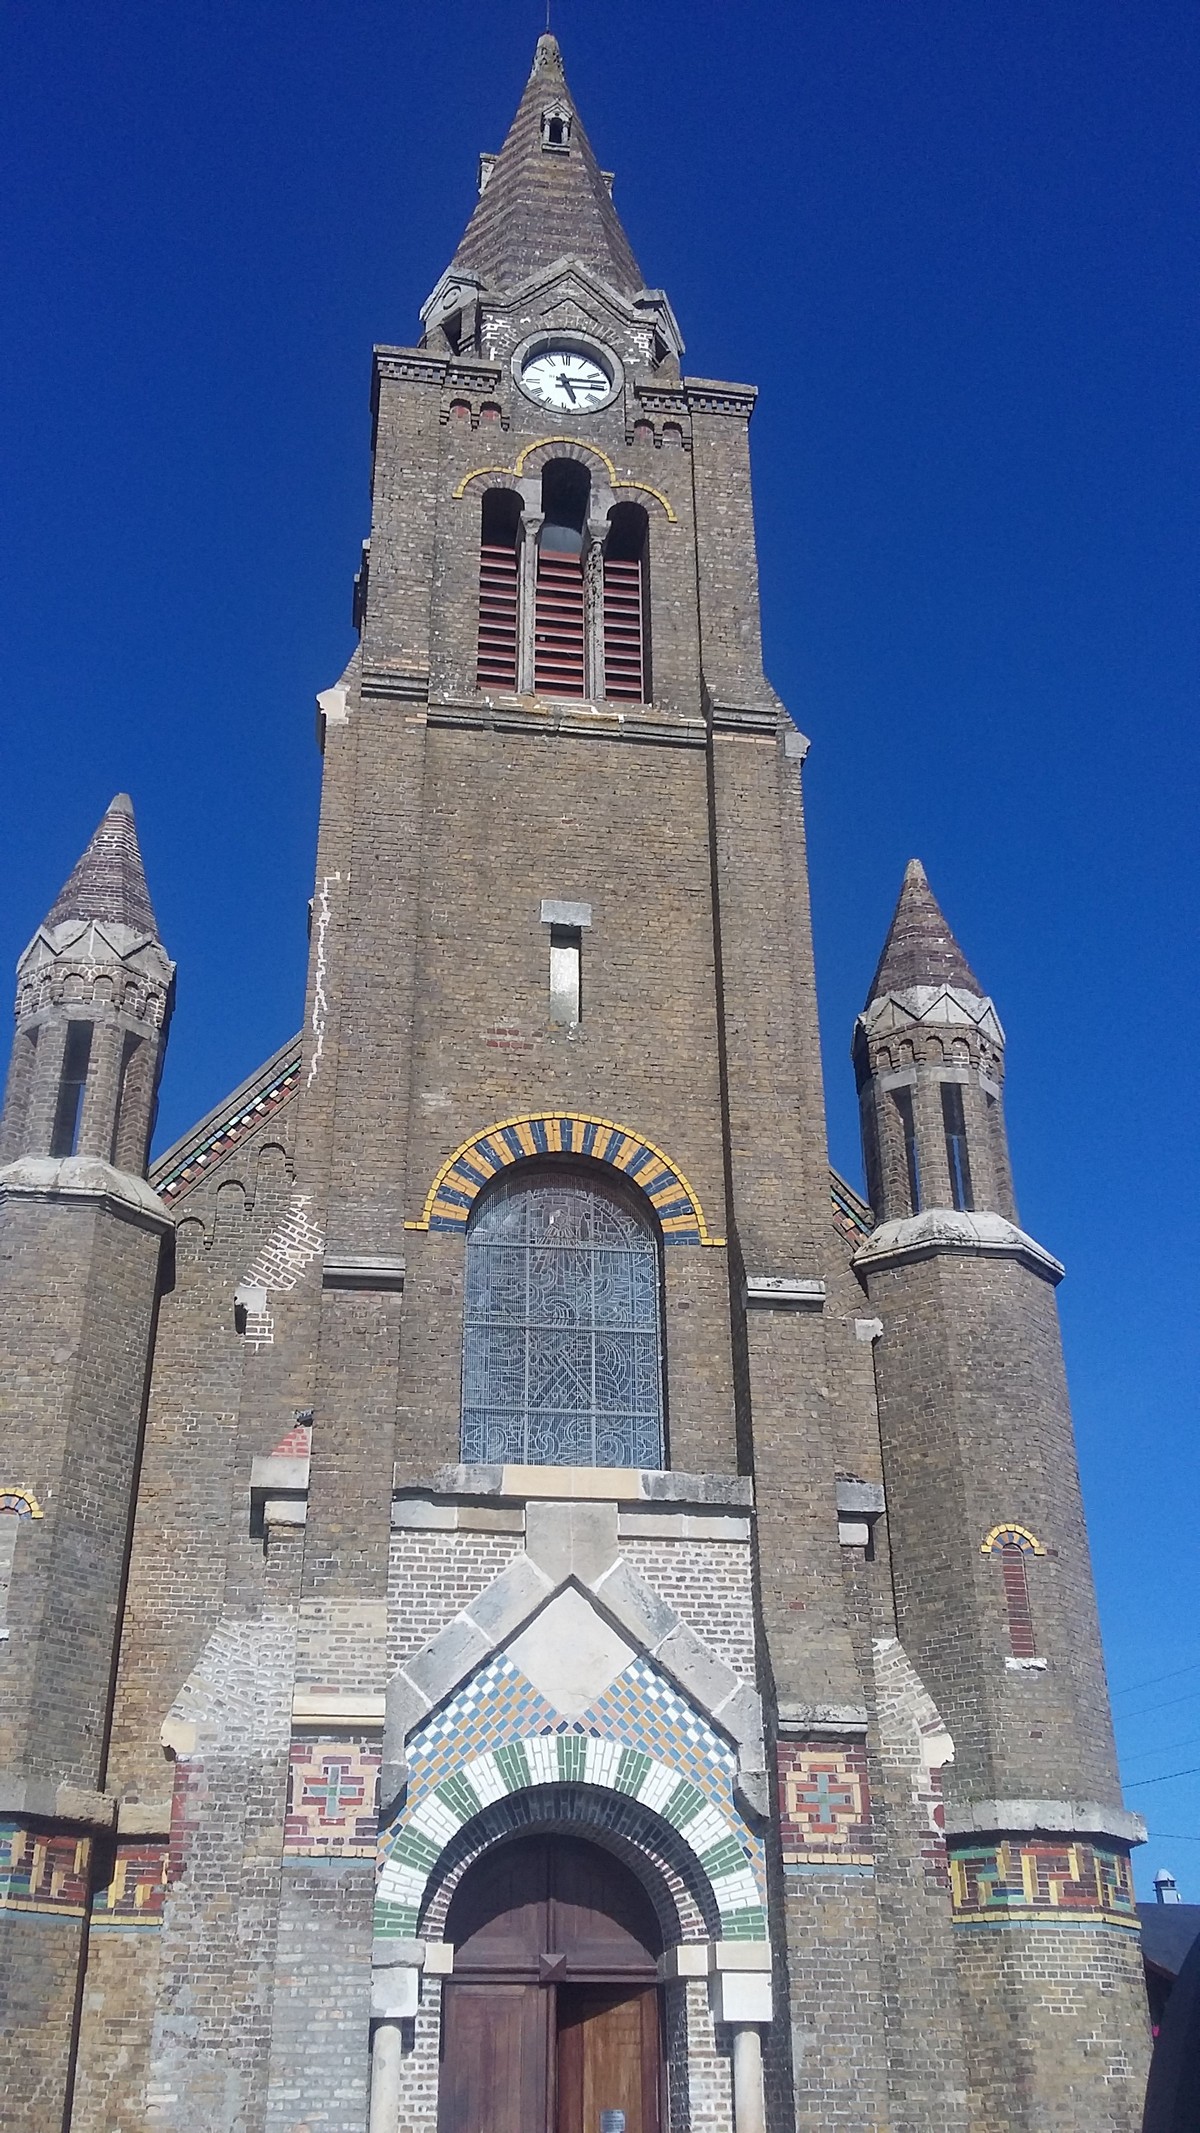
(476, 1161)
(644, 1842)
(410, 1866)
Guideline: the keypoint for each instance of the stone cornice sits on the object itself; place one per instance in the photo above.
(1075, 1818)
(84, 1178)
(947, 1230)
(47, 1801)
(938, 1004)
(714, 396)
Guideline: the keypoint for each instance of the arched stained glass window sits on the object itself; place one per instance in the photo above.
(562, 1331)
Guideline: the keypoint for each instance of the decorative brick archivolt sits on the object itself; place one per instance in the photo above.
(21, 1502)
(1011, 1536)
(531, 461)
(464, 1174)
(1030, 1881)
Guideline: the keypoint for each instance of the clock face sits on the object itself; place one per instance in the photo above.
(566, 380)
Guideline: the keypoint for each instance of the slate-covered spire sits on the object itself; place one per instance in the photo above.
(94, 994)
(109, 881)
(546, 197)
(920, 948)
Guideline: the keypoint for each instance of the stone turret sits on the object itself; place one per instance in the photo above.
(81, 1237)
(929, 1058)
(992, 1576)
(94, 996)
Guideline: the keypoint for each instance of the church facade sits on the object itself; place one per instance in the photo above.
(525, 1602)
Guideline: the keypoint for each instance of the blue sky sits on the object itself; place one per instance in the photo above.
(955, 245)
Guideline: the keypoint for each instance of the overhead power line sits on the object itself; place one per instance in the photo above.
(1191, 1770)
(1138, 1755)
(1167, 1704)
(1131, 1688)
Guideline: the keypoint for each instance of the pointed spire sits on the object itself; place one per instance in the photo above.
(109, 882)
(920, 948)
(546, 196)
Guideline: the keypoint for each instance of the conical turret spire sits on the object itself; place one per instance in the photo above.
(546, 197)
(920, 948)
(109, 881)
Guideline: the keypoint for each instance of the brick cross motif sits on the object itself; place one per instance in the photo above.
(825, 1797)
(338, 1790)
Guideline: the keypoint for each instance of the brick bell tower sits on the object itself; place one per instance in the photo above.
(519, 1715)
(992, 1577)
(81, 1236)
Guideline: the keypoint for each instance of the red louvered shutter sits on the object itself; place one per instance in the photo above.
(558, 638)
(624, 665)
(496, 666)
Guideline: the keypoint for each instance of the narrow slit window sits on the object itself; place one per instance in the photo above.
(566, 976)
(76, 1058)
(954, 1121)
(908, 1126)
(496, 661)
(129, 1054)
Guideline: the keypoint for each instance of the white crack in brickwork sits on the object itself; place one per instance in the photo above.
(320, 1006)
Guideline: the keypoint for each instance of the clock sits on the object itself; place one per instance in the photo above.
(570, 380)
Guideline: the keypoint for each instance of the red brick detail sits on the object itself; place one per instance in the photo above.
(1021, 1639)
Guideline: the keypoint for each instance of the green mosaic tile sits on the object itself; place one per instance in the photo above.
(513, 1767)
(572, 1757)
(684, 1804)
(461, 1798)
(631, 1770)
(415, 1849)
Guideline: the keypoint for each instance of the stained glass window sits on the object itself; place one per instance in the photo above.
(562, 1338)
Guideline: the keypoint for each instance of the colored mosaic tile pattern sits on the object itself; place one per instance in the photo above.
(641, 1739)
(133, 1900)
(1038, 1882)
(332, 1801)
(464, 1174)
(852, 1218)
(824, 1804)
(43, 1870)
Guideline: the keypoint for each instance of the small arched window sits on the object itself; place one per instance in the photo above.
(500, 531)
(562, 1323)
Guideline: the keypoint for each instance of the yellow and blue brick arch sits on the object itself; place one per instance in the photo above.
(475, 1162)
(409, 1853)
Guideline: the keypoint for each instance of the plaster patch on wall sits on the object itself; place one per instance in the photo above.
(288, 1251)
(912, 1728)
(320, 1006)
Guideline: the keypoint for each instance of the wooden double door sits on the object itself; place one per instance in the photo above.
(550, 2022)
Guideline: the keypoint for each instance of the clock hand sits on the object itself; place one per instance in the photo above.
(564, 381)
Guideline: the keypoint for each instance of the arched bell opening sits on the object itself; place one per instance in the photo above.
(552, 2016)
